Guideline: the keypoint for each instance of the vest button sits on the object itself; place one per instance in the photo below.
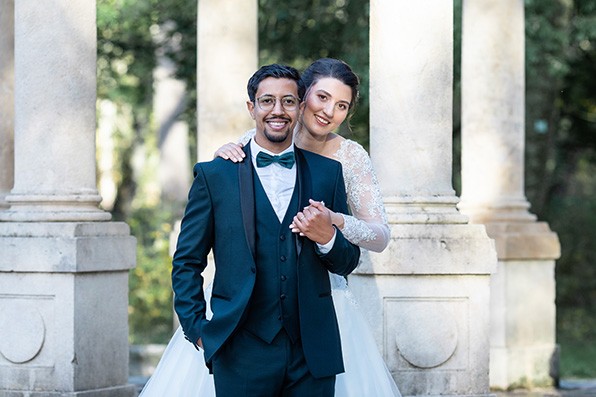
(282, 258)
(283, 278)
(282, 296)
(282, 237)
(253, 269)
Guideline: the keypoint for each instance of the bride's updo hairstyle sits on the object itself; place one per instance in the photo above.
(329, 67)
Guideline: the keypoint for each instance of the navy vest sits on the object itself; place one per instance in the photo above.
(274, 301)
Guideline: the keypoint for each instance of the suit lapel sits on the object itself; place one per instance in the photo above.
(304, 187)
(247, 199)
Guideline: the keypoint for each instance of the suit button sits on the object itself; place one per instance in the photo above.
(282, 258)
(282, 237)
(282, 296)
(252, 269)
(283, 278)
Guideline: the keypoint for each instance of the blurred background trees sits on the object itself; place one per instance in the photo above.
(560, 131)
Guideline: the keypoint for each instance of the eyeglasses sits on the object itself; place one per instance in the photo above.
(267, 102)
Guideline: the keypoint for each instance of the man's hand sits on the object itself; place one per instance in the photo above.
(314, 222)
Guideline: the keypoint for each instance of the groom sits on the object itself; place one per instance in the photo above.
(273, 331)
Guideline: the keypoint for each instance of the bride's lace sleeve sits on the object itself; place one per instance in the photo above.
(248, 135)
(367, 227)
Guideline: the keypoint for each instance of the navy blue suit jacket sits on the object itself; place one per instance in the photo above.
(220, 215)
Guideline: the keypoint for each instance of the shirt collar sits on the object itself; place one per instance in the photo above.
(255, 148)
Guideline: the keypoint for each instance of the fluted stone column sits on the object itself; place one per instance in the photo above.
(64, 267)
(523, 347)
(427, 294)
(227, 57)
(6, 99)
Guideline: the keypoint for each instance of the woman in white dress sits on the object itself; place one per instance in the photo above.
(331, 94)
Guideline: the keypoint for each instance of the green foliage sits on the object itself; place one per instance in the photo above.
(561, 161)
(576, 335)
(150, 294)
(130, 34)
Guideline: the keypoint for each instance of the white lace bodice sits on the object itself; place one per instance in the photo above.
(367, 226)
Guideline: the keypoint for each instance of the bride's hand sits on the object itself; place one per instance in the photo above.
(314, 222)
(231, 151)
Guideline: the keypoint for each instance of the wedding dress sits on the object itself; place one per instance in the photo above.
(182, 372)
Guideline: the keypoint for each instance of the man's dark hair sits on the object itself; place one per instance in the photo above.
(276, 71)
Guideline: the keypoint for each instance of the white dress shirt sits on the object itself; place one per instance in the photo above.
(278, 183)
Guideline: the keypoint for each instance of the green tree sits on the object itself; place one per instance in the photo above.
(127, 47)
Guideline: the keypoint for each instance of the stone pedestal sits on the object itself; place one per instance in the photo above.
(523, 347)
(427, 295)
(63, 309)
(523, 314)
(227, 57)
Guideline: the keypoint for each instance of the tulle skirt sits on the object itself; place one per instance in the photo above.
(182, 372)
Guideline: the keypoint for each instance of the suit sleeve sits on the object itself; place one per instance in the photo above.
(344, 256)
(190, 259)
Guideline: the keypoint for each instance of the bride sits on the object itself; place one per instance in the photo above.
(331, 94)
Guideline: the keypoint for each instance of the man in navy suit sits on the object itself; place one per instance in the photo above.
(273, 331)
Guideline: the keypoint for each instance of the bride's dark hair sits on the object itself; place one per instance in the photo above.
(335, 68)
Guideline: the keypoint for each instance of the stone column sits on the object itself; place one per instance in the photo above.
(63, 268)
(169, 101)
(6, 99)
(55, 114)
(427, 294)
(523, 348)
(227, 57)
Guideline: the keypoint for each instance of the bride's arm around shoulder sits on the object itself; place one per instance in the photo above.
(233, 151)
(367, 227)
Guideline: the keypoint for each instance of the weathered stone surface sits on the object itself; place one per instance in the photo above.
(63, 331)
(6, 99)
(63, 277)
(523, 289)
(66, 247)
(226, 31)
(54, 115)
(427, 295)
(431, 322)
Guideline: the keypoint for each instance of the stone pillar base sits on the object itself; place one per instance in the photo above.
(427, 300)
(64, 308)
(523, 367)
(120, 391)
(523, 314)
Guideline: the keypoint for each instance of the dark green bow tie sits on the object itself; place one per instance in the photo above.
(285, 160)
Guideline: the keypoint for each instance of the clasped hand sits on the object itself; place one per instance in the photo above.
(314, 222)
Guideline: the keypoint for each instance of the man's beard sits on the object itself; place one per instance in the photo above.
(276, 138)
